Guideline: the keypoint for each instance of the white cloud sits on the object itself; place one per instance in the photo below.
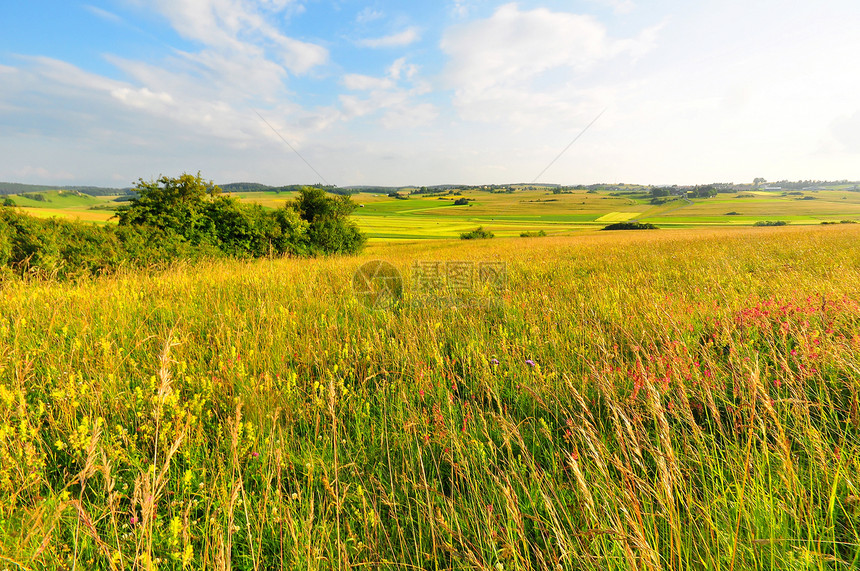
(104, 14)
(461, 8)
(142, 98)
(66, 74)
(7, 69)
(357, 82)
(410, 116)
(400, 67)
(526, 66)
(30, 172)
(618, 6)
(404, 38)
(236, 27)
(368, 14)
(393, 95)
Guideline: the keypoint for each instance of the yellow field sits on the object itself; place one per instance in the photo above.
(617, 217)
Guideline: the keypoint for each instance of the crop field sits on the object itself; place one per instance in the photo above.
(387, 219)
(65, 204)
(667, 399)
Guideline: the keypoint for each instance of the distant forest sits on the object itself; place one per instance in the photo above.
(18, 188)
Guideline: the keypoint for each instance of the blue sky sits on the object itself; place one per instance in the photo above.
(390, 92)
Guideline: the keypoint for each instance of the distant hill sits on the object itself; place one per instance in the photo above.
(257, 187)
(18, 188)
(245, 187)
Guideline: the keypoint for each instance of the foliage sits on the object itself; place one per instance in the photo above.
(178, 219)
(630, 226)
(708, 191)
(477, 234)
(771, 223)
(329, 229)
(37, 196)
(197, 211)
(529, 234)
(461, 202)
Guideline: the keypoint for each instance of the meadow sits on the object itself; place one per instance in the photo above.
(666, 399)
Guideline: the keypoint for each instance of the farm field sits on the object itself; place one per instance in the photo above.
(669, 399)
(385, 219)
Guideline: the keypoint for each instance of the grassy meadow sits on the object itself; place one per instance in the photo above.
(668, 399)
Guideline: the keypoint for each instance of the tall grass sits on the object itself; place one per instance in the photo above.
(660, 401)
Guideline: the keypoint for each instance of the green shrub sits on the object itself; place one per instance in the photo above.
(771, 223)
(37, 196)
(630, 226)
(178, 219)
(477, 234)
(538, 234)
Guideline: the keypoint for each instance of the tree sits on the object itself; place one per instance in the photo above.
(178, 213)
(175, 205)
(329, 228)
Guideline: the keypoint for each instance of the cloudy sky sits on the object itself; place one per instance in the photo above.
(397, 92)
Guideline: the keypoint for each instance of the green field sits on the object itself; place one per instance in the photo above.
(670, 400)
(66, 204)
(509, 214)
(530, 210)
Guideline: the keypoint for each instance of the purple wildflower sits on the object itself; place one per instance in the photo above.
(494, 361)
(530, 363)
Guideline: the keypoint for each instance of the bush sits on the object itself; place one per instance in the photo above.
(630, 226)
(771, 223)
(178, 219)
(461, 202)
(37, 196)
(329, 229)
(538, 234)
(315, 223)
(477, 234)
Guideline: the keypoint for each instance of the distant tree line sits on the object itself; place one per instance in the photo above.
(239, 187)
(179, 218)
(18, 188)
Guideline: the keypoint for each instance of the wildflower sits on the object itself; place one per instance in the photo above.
(133, 520)
(421, 393)
(530, 363)
(254, 454)
(494, 361)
